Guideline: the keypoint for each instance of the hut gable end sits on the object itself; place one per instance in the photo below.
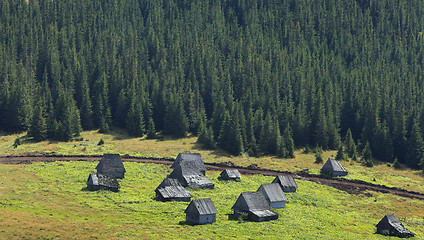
(111, 165)
(287, 183)
(334, 168)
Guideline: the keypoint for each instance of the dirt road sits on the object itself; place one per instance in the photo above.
(350, 186)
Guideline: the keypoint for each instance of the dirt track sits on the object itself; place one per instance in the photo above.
(350, 186)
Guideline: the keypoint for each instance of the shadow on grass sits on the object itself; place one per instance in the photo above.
(217, 152)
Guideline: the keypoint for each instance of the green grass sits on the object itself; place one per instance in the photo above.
(49, 200)
(119, 142)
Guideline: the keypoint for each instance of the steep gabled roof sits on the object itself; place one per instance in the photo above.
(95, 179)
(195, 158)
(231, 173)
(285, 181)
(392, 221)
(201, 206)
(169, 182)
(174, 192)
(273, 192)
(198, 181)
(110, 162)
(250, 201)
(333, 165)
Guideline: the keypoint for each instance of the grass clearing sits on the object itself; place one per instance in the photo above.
(49, 200)
(119, 142)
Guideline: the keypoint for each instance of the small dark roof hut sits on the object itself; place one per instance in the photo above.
(391, 226)
(201, 211)
(170, 182)
(97, 181)
(230, 174)
(173, 193)
(333, 168)
(111, 165)
(171, 190)
(286, 182)
(273, 194)
(255, 205)
(187, 173)
(196, 158)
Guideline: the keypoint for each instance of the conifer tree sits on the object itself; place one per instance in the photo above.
(349, 144)
(205, 138)
(416, 146)
(288, 142)
(38, 128)
(367, 159)
(340, 153)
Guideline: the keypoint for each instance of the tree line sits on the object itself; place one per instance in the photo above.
(262, 77)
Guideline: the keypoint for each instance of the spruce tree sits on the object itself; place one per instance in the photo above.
(38, 127)
(367, 159)
(349, 144)
(340, 153)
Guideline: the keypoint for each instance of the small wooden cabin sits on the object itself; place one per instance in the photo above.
(201, 211)
(391, 226)
(273, 194)
(334, 168)
(256, 207)
(187, 173)
(230, 174)
(286, 182)
(195, 158)
(111, 165)
(97, 181)
(171, 190)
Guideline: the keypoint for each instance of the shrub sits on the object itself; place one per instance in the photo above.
(396, 164)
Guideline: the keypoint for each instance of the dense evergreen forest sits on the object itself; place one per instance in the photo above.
(255, 76)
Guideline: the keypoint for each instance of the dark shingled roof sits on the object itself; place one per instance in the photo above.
(249, 201)
(273, 192)
(285, 181)
(111, 164)
(170, 182)
(196, 158)
(97, 181)
(186, 172)
(173, 193)
(333, 165)
(202, 207)
(230, 174)
(390, 225)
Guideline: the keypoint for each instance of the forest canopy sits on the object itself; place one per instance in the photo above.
(255, 76)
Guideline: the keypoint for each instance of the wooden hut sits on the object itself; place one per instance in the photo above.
(230, 174)
(201, 211)
(286, 182)
(256, 207)
(273, 194)
(391, 226)
(195, 158)
(111, 165)
(172, 190)
(97, 181)
(188, 175)
(334, 168)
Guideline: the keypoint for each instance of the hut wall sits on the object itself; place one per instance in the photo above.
(288, 189)
(281, 204)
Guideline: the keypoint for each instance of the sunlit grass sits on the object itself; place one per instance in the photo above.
(119, 142)
(48, 200)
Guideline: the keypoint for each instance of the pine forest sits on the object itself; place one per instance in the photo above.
(261, 77)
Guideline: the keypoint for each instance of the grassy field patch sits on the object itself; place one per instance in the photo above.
(48, 200)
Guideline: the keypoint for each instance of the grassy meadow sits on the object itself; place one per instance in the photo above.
(119, 142)
(49, 201)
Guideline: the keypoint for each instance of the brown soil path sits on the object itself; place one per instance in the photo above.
(350, 186)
